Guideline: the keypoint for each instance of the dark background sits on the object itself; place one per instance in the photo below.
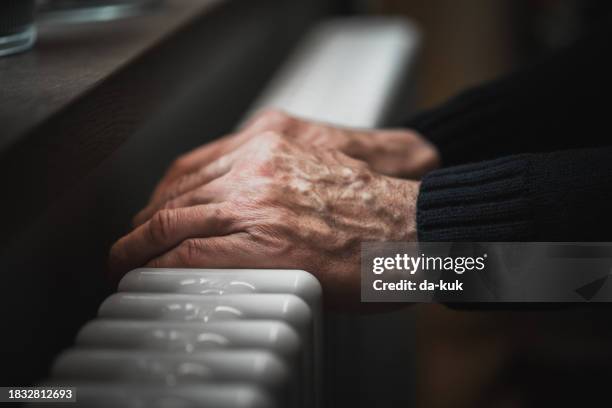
(503, 358)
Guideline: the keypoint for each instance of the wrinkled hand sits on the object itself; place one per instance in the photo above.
(397, 153)
(273, 203)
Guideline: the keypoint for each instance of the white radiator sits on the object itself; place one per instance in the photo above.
(240, 338)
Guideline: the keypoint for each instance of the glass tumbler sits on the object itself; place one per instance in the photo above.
(17, 29)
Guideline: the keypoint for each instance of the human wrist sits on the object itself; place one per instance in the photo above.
(403, 203)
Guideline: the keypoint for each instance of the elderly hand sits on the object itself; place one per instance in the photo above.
(273, 203)
(397, 153)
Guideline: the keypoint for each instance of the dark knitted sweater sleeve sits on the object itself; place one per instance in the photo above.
(559, 196)
(538, 143)
(560, 103)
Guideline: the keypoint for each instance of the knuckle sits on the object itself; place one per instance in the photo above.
(169, 204)
(275, 141)
(223, 217)
(162, 225)
(179, 186)
(180, 201)
(276, 117)
(189, 251)
(272, 135)
(272, 119)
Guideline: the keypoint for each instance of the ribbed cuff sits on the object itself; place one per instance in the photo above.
(486, 201)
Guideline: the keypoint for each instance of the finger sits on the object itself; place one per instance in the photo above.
(189, 162)
(167, 229)
(192, 180)
(230, 251)
(206, 194)
(201, 157)
(210, 152)
(268, 120)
